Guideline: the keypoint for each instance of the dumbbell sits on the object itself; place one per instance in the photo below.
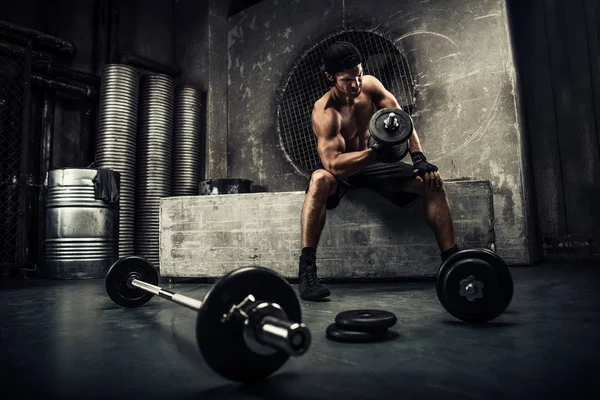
(247, 326)
(474, 285)
(391, 127)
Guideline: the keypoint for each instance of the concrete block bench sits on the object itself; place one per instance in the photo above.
(365, 237)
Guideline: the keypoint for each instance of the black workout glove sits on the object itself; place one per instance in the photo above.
(421, 165)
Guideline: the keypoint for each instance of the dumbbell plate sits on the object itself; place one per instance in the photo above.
(400, 134)
(117, 278)
(365, 320)
(395, 154)
(334, 332)
(222, 344)
(484, 266)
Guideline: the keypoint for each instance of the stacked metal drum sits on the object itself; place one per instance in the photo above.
(149, 131)
(116, 141)
(187, 150)
(154, 158)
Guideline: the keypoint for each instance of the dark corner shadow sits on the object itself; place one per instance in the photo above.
(273, 387)
(482, 326)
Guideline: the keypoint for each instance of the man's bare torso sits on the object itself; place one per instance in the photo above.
(355, 116)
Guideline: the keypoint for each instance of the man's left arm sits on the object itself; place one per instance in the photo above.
(382, 98)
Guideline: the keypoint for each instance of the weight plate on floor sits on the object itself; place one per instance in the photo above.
(118, 277)
(365, 320)
(384, 132)
(231, 357)
(333, 332)
(474, 285)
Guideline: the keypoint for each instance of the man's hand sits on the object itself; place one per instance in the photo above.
(424, 171)
(375, 145)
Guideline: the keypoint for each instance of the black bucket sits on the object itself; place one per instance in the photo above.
(225, 186)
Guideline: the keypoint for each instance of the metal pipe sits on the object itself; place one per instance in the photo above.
(37, 39)
(78, 90)
(62, 71)
(16, 50)
(6, 192)
(141, 62)
(48, 113)
(25, 181)
(88, 133)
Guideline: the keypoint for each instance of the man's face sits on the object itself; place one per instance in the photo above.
(349, 82)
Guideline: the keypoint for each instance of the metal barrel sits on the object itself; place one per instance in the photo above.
(82, 230)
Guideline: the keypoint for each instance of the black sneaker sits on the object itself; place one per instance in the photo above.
(309, 286)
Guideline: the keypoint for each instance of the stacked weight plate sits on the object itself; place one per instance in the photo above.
(116, 141)
(187, 153)
(154, 158)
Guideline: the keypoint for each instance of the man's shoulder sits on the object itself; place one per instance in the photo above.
(370, 82)
(324, 108)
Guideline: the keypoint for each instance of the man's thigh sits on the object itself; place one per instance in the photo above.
(394, 181)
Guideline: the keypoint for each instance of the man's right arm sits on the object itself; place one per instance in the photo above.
(331, 146)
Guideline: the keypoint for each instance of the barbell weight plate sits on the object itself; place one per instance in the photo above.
(120, 272)
(491, 277)
(334, 332)
(222, 344)
(365, 320)
(391, 136)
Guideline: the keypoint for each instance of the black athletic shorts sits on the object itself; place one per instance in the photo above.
(382, 178)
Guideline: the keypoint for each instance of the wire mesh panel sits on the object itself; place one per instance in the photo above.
(12, 69)
(307, 83)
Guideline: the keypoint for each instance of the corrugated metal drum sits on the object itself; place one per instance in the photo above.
(116, 141)
(82, 231)
(153, 173)
(187, 150)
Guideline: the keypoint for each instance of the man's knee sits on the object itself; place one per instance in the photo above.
(322, 180)
(428, 191)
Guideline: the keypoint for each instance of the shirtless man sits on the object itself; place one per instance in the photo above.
(340, 120)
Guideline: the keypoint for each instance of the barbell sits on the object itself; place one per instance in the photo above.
(247, 325)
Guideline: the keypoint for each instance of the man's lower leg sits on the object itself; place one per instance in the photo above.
(439, 218)
(313, 221)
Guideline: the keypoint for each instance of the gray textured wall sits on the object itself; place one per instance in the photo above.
(466, 111)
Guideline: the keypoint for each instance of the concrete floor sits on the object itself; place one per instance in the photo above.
(67, 340)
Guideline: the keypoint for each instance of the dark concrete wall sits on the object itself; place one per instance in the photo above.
(466, 112)
(191, 42)
(19, 12)
(201, 53)
(558, 52)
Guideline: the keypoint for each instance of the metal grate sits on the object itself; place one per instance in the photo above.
(307, 83)
(12, 70)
